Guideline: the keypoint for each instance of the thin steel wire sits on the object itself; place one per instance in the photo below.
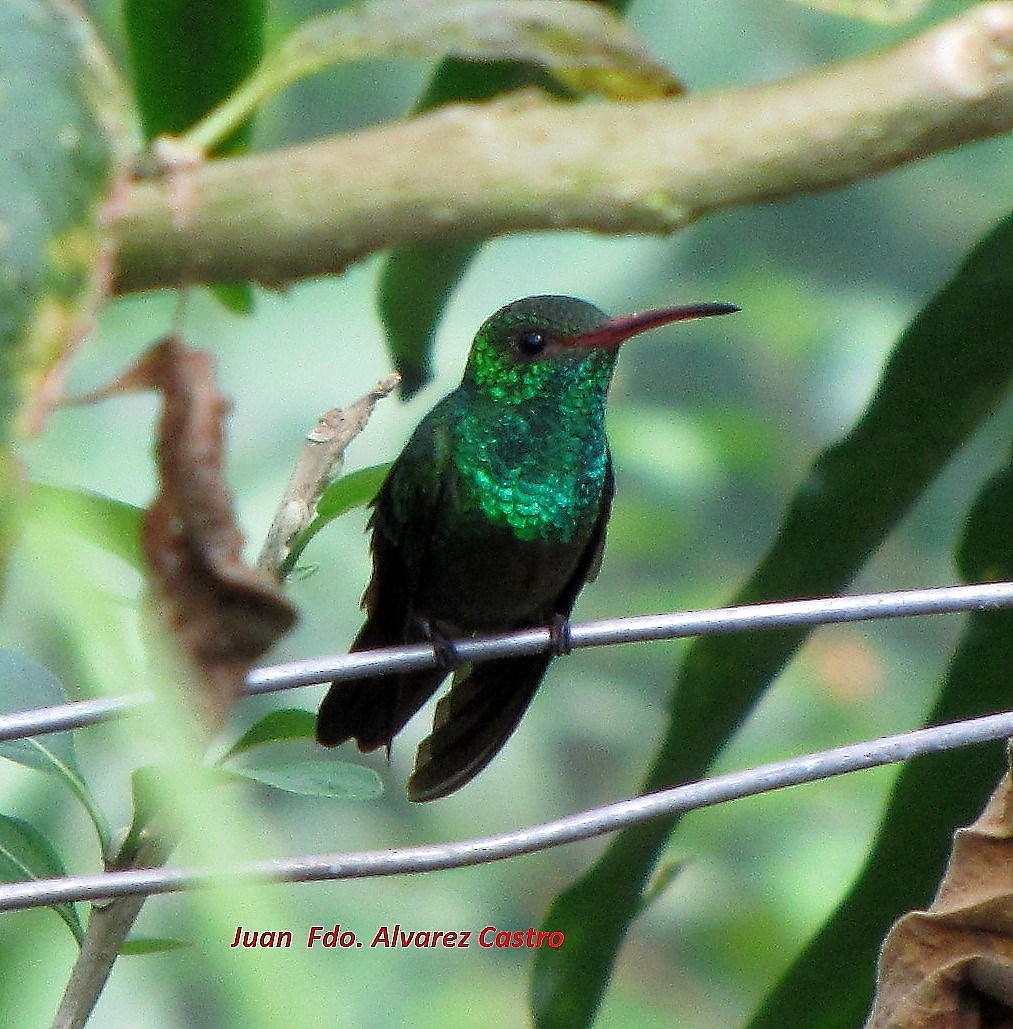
(581, 826)
(607, 632)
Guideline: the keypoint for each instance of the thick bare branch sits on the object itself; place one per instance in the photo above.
(526, 163)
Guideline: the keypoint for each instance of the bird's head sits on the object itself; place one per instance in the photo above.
(534, 346)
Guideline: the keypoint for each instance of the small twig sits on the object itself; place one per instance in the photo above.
(607, 632)
(319, 462)
(582, 826)
(108, 927)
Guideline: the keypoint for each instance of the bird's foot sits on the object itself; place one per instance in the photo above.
(447, 656)
(559, 634)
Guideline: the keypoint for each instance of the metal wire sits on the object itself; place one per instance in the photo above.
(607, 632)
(582, 826)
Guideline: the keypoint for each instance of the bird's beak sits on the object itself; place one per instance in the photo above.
(614, 332)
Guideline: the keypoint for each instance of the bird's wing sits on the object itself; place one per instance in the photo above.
(402, 523)
(590, 563)
(373, 710)
(487, 700)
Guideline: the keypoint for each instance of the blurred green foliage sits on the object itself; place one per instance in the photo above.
(949, 373)
(714, 428)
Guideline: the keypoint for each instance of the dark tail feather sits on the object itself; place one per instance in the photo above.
(373, 711)
(472, 722)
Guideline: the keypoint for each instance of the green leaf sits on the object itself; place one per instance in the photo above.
(11, 497)
(340, 497)
(290, 723)
(186, 57)
(949, 372)
(146, 796)
(664, 876)
(26, 854)
(148, 792)
(351, 491)
(59, 168)
(836, 972)
(583, 45)
(152, 945)
(317, 778)
(24, 685)
(237, 297)
(415, 285)
(113, 525)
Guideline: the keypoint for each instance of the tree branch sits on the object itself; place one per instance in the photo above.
(526, 163)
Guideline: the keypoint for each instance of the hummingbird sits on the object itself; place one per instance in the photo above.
(492, 519)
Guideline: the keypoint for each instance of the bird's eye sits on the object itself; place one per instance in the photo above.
(531, 342)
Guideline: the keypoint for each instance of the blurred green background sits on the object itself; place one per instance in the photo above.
(712, 426)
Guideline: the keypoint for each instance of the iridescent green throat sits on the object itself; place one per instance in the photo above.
(529, 441)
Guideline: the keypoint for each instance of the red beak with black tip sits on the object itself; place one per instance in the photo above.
(614, 332)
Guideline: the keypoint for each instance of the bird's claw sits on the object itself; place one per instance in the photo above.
(559, 635)
(447, 656)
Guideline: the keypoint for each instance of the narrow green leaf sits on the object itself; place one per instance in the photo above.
(152, 945)
(351, 491)
(146, 795)
(187, 56)
(26, 854)
(290, 723)
(340, 497)
(949, 372)
(830, 986)
(25, 684)
(583, 45)
(237, 297)
(113, 525)
(415, 285)
(664, 876)
(317, 778)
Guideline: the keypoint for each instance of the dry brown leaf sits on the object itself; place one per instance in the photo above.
(224, 613)
(587, 46)
(951, 967)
